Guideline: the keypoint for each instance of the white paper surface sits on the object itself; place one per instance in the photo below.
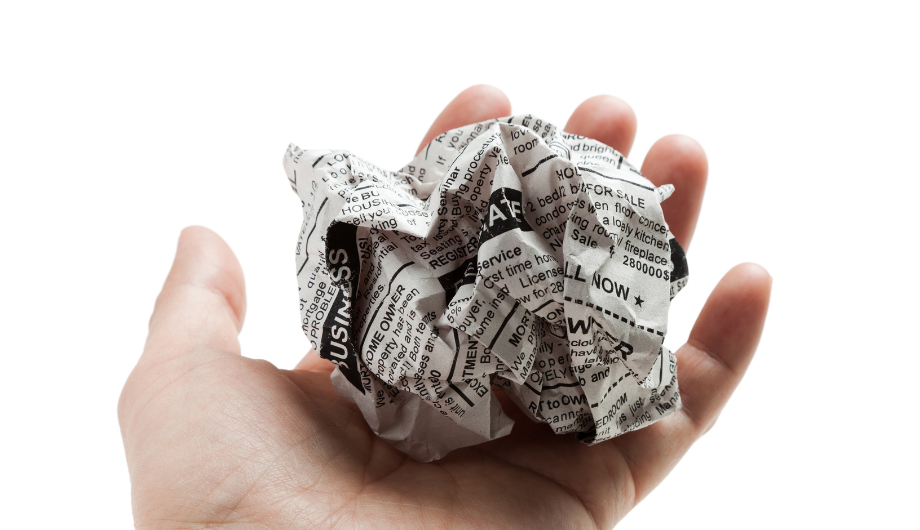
(507, 253)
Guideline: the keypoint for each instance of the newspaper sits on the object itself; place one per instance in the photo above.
(508, 254)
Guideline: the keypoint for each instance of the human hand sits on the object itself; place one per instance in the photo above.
(215, 439)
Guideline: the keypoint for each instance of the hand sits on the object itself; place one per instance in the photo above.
(214, 439)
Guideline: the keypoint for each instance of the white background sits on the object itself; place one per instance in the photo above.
(121, 124)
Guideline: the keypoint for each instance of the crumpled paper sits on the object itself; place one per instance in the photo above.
(507, 254)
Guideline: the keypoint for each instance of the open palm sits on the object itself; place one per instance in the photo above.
(214, 439)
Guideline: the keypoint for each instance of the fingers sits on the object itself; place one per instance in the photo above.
(196, 319)
(722, 343)
(203, 299)
(606, 119)
(475, 104)
(674, 159)
(314, 363)
(680, 161)
(709, 367)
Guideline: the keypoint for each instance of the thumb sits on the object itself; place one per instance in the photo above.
(203, 301)
(196, 318)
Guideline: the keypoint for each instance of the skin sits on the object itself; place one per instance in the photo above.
(217, 440)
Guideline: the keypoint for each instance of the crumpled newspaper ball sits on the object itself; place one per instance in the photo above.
(507, 254)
